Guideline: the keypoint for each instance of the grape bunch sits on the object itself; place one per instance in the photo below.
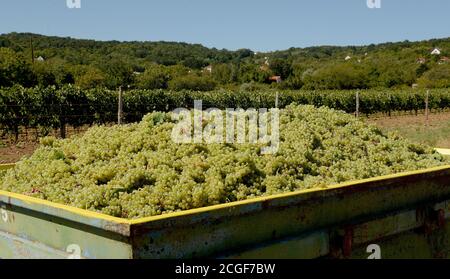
(137, 170)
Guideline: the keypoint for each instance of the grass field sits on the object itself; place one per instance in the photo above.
(436, 134)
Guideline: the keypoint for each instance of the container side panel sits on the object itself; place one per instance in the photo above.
(30, 234)
(234, 227)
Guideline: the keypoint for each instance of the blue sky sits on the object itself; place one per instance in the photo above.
(261, 25)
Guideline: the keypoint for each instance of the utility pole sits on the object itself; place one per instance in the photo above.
(32, 49)
(427, 100)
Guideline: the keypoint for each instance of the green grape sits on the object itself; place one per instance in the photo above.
(136, 170)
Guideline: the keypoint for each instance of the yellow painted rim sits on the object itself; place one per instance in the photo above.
(92, 214)
(6, 166)
(76, 210)
(443, 151)
(285, 195)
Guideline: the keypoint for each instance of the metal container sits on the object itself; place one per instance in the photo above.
(396, 216)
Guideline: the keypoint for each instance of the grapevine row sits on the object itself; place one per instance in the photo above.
(47, 108)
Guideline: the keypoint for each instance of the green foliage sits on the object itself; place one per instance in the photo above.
(91, 78)
(390, 65)
(43, 74)
(118, 72)
(252, 87)
(52, 107)
(438, 77)
(249, 72)
(192, 82)
(395, 73)
(155, 77)
(225, 73)
(281, 67)
(13, 69)
(336, 76)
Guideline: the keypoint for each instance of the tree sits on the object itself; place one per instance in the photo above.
(155, 77)
(395, 73)
(281, 67)
(194, 62)
(249, 72)
(118, 73)
(14, 69)
(438, 77)
(43, 74)
(91, 78)
(295, 81)
(224, 73)
(336, 76)
(421, 69)
(192, 82)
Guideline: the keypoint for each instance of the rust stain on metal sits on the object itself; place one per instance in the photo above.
(441, 218)
(348, 241)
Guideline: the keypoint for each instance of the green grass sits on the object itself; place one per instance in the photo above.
(437, 134)
(436, 137)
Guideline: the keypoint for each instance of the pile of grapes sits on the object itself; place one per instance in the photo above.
(137, 170)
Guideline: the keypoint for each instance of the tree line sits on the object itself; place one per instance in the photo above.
(35, 60)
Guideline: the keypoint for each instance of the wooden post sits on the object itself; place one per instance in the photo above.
(427, 97)
(120, 107)
(390, 103)
(357, 103)
(276, 100)
(62, 127)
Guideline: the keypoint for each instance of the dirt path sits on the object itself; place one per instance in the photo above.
(14, 152)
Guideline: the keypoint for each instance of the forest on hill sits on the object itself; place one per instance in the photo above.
(35, 60)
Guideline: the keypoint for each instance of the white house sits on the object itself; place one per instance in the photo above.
(40, 59)
(436, 51)
(348, 58)
(208, 69)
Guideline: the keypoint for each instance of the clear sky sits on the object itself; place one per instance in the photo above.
(261, 25)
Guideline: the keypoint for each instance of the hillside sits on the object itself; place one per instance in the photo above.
(174, 65)
(78, 51)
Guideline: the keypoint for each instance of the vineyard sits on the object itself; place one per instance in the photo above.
(51, 108)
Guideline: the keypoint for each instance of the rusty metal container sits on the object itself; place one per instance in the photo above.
(403, 215)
